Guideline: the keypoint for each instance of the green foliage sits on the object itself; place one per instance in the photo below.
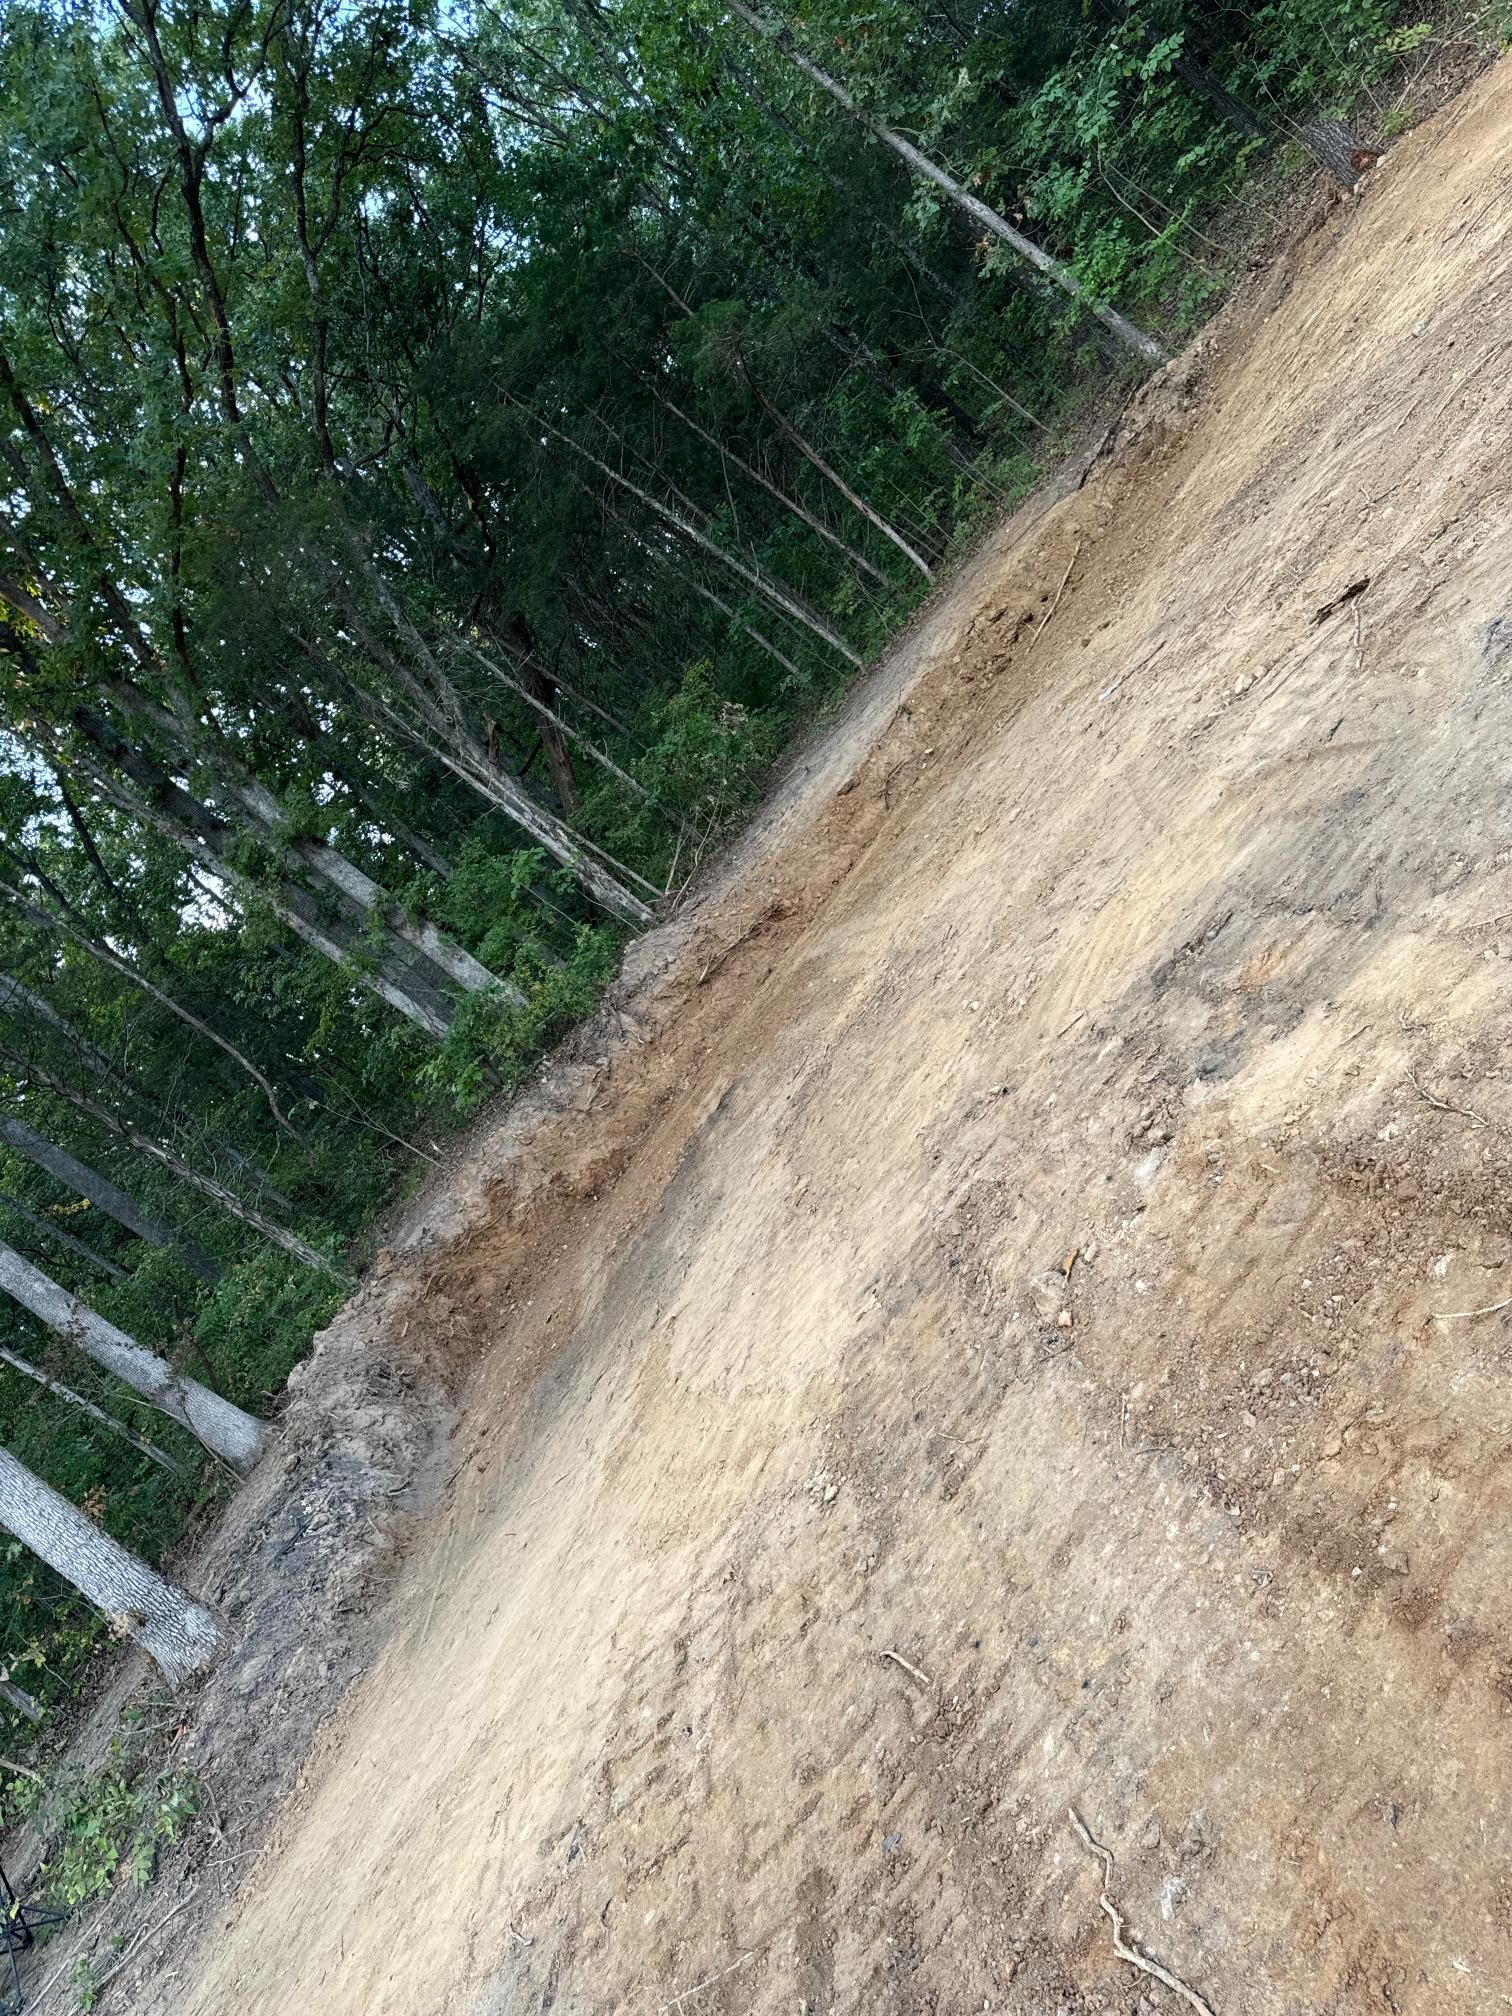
(110, 1823)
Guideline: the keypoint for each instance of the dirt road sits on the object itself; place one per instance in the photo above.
(998, 1346)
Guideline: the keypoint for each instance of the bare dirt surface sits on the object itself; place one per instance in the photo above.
(987, 1335)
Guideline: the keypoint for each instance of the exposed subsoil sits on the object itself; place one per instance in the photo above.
(978, 1327)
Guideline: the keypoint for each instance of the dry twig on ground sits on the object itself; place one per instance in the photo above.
(1123, 1946)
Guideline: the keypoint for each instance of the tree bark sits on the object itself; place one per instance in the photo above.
(103, 1194)
(980, 213)
(1331, 142)
(18, 1698)
(179, 1633)
(223, 1428)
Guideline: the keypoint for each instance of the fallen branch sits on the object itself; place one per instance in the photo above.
(1444, 1106)
(898, 1660)
(1070, 564)
(1454, 1315)
(699, 1986)
(141, 1940)
(1123, 1947)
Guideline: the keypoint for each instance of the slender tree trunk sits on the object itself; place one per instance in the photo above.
(553, 727)
(259, 809)
(333, 867)
(153, 797)
(16, 999)
(857, 502)
(224, 1429)
(439, 707)
(18, 1698)
(982, 214)
(536, 686)
(103, 1194)
(179, 1633)
(66, 1393)
(457, 751)
(45, 1228)
(99, 1065)
(159, 1151)
(752, 572)
(800, 511)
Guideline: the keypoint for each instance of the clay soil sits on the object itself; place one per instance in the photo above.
(1010, 1310)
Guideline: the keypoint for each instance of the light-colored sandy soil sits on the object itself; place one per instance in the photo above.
(1164, 925)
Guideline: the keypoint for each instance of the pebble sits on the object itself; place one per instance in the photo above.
(1333, 1446)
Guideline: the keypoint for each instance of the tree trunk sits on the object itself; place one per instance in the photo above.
(159, 1151)
(751, 572)
(539, 688)
(980, 213)
(151, 796)
(789, 432)
(18, 1698)
(800, 511)
(179, 1633)
(223, 1428)
(21, 1001)
(1224, 103)
(359, 888)
(259, 809)
(1331, 142)
(61, 1392)
(457, 747)
(103, 1194)
(98, 1064)
(46, 1228)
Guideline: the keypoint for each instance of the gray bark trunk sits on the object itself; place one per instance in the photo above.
(16, 999)
(103, 1194)
(179, 1633)
(223, 1428)
(153, 797)
(1330, 142)
(23, 1703)
(857, 502)
(359, 888)
(980, 213)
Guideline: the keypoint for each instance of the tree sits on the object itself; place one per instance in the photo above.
(104, 1195)
(972, 207)
(179, 1633)
(225, 1430)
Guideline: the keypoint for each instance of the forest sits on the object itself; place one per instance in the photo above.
(449, 452)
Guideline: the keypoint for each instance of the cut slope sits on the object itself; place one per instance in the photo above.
(1164, 927)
